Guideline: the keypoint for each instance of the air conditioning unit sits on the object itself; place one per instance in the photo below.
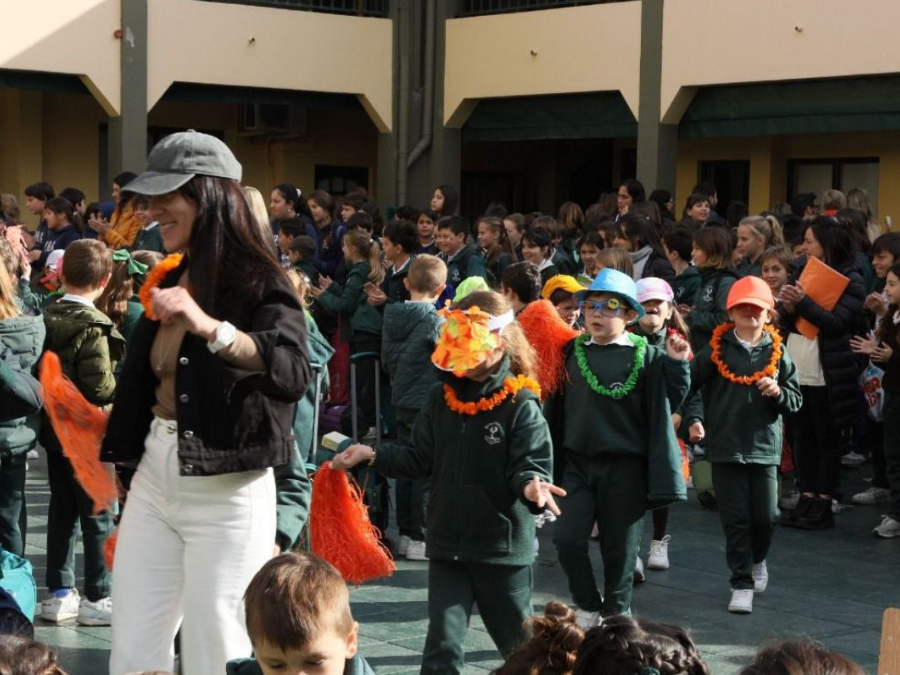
(273, 118)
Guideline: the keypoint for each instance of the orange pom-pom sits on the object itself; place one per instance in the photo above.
(109, 549)
(80, 427)
(685, 461)
(340, 529)
(548, 334)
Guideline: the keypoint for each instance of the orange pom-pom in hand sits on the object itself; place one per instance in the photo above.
(109, 549)
(341, 531)
(548, 334)
(80, 427)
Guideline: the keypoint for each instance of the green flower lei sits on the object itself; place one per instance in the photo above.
(640, 345)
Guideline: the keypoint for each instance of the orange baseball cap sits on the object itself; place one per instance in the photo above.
(750, 291)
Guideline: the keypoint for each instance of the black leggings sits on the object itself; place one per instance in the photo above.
(817, 444)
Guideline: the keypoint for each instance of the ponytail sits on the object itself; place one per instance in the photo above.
(768, 227)
(360, 241)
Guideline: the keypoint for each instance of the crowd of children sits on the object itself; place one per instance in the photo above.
(701, 339)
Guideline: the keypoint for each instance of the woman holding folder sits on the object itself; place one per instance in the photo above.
(822, 308)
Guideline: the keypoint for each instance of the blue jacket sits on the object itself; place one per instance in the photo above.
(21, 397)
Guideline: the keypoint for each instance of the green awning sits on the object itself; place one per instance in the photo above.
(35, 81)
(208, 93)
(797, 107)
(530, 118)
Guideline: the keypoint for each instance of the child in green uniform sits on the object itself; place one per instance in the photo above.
(748, 382)
(482, 440)
(620, 460)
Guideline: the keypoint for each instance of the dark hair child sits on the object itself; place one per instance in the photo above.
(462, 261)
(712, 257)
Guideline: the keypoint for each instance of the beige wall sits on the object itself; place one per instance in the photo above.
(768, 163)
(238, 45)
(709, 42)
(75, 37)
(579, 49)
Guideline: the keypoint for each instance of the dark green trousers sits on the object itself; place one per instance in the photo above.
(69, 507)
(13, 519)
(612, 491)
(412, 495)
(747, 495)
(503, 595)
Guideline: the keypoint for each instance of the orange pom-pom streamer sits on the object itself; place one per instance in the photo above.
(548, 334)
(109, 549)
(80, 427)
(341, 531)
(685, 461)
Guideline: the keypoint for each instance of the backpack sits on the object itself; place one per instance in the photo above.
(17, 579)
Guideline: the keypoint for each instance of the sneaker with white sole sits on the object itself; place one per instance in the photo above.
(403, 544)
(659, 554)
(889, 528)
(95, 613)
(874, 495)
(587, 619)
(60, 605)
(760, 575)
(416, 550)
(32, 454)
(639, 575)
(853, 459)
(741, 601)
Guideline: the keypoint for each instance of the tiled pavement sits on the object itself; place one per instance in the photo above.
(832, 586)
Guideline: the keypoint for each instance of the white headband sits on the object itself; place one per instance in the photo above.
(498, 323)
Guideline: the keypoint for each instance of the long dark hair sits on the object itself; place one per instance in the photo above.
(640, 231)
(835, 239)
(451, 200)
(227, 250)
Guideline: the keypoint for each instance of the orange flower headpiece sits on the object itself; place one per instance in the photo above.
(467, 337)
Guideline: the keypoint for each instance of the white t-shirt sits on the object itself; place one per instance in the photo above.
(805, 355)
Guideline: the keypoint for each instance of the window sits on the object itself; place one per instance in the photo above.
(732, 181)
(844, 174)
(354, 7)
(339, 180)
(474, 7)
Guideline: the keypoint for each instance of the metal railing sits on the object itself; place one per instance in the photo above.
(478, 7)
(377, 8)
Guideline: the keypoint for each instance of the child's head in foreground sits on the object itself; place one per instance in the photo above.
(298, 617)
(622, 645)
(800, 658)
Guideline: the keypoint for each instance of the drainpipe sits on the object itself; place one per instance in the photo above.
(403, 33)
(428, 94)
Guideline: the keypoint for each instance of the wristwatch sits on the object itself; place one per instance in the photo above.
(225, 335)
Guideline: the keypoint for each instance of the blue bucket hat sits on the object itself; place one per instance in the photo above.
(616, 282)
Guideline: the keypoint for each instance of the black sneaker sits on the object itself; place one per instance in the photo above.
(819, 516)
(790, 518)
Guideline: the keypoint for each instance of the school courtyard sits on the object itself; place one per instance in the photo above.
(831, 586)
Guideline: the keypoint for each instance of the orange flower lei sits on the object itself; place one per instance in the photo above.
(771, 369)
(154, 279)
(511, 386)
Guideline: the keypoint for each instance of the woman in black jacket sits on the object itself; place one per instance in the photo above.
(205, 403)
(637, 235)
(828, 372)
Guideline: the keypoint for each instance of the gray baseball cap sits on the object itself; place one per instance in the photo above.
(179, 157)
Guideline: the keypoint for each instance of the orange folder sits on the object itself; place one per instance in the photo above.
(824, 286)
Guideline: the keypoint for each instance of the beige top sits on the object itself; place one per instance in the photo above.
(241, 353)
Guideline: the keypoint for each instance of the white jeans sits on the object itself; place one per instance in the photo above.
(187, 549)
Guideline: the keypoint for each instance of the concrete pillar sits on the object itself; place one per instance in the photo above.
(128, 132)
(657, 142)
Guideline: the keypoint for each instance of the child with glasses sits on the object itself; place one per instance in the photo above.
(618, 462)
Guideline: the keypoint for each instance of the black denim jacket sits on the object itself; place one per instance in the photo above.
(229, 420)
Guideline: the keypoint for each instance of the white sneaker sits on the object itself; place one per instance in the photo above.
(760, 577)
(853, 459)
(741, 601)
(32, 454)
(60, 605)
(95, 613)
(888, 529)
(639, 575)
(416, 550)
(874, 495)
(587, 620)
(789, 501)
(403, 544)
(659, 554)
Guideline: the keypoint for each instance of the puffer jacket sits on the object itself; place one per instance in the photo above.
(89, 349)
(410, 333)
(21, 345)
(840, 365)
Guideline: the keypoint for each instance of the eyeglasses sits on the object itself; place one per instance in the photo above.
(609, 308)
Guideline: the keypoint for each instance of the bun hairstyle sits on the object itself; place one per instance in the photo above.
(553, 645)
(621, 645)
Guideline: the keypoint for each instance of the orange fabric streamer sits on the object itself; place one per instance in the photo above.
(685, 461)
(80, 427)
(548, 334)
(109, 549)
(340, 529)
